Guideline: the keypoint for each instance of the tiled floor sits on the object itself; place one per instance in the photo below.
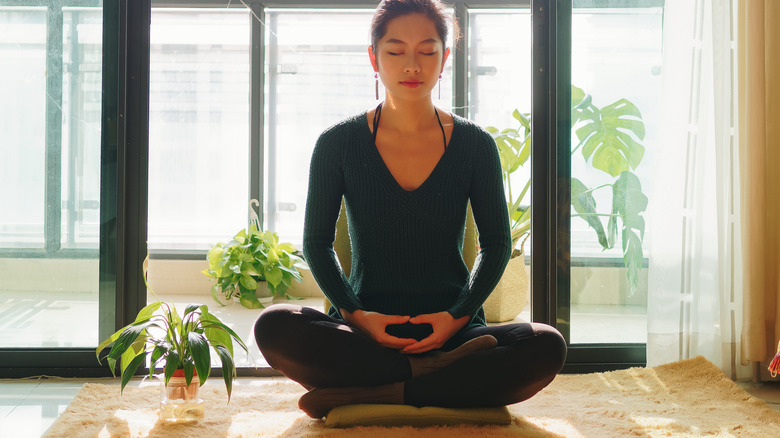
(28, 407)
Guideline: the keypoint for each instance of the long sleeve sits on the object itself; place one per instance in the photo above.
(326, 188)
(488, 203)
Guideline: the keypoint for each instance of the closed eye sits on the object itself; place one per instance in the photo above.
(394, 53)
(429, 54)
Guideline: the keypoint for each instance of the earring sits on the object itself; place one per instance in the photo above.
(376, 85)
(439, 87)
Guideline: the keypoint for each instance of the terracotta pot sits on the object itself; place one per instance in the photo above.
(510, 296)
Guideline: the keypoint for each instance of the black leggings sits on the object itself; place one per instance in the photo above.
(319, 351)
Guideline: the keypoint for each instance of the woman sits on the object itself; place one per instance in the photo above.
(407, 327)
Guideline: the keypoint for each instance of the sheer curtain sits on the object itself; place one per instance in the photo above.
(695, 268)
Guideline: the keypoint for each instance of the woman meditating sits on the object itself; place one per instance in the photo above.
(407, 325)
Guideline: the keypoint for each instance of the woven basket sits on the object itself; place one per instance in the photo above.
(510, 296)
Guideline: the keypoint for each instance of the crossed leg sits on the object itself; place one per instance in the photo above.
(347, 367)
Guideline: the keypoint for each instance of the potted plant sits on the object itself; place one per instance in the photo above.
(252, 262)
(510, 295)
(609, 139)
(181, 346)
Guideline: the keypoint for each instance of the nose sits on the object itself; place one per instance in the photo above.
(412, 67)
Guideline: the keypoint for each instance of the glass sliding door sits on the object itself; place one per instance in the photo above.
(50, 125)
(616, 88)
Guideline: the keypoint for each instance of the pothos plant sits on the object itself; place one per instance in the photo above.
(252, 257)
(173, 342)
(608, 139)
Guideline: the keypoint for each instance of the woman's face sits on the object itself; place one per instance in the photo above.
(410, 57)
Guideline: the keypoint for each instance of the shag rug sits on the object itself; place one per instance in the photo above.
(681, 399)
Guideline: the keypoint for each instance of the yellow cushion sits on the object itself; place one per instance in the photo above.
(405, 415)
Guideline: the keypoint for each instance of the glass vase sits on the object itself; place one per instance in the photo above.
(180, 402)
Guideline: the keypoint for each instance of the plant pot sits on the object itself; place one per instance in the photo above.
(264, 294)
(180, 402)
(510, 296)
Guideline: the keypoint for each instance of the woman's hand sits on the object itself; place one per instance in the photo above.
(374, 323)
(444, 327)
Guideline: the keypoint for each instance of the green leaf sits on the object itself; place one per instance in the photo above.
(583, 202)
(130, 369)
(214, 257)
(157, 354)
(126, 339)
(172, 362)
(215, 294)
(248, 282)
(199, 347)
(228, 368)
(220, 325)
(214, 333)
(610, 158)
(190, 309)
(627, 195)
(144, 315)
(287, 247)
(609, 135)
(632, 257)
(273, 275)
(189, 371)
(249, 269)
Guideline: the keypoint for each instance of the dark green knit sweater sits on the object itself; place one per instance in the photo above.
(406, 245)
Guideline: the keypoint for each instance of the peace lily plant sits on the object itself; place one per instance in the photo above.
(173, 342)
(608, 138)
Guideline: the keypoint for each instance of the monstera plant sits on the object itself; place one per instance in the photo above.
(609, 140)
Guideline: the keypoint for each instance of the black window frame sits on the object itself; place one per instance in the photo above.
(124, 169)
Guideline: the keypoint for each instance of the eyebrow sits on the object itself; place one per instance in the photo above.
(396, 41)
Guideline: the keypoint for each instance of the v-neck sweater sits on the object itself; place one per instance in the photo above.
(406, 244)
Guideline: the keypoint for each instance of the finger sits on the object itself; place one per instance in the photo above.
(420, 319)
(395, 341)
(422, 346)
(395, 319)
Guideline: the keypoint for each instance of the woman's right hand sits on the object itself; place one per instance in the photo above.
(374, 324)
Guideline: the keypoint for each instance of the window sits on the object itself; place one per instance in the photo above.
(198, 126)
(50, 120)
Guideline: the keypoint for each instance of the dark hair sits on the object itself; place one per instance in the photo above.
(390, 9)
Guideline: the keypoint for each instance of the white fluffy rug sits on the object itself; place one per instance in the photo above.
(682, 399)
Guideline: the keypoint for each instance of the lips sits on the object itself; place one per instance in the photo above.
(411, 83)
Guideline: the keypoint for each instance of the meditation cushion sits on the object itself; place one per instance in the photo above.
(405, 415)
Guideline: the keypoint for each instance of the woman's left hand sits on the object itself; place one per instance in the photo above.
(444, 327)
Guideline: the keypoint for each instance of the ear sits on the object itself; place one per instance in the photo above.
(444, 58)
(372, 57)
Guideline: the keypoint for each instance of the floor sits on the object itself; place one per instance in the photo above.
(28, 407)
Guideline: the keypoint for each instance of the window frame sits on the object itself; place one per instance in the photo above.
(124, 163)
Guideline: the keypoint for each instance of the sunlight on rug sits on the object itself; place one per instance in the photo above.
(683, 399)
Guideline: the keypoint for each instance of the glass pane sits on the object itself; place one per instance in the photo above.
(198, 126)
(50, 80)
(616, 62)
(499, 85)
(23, 126)
(81, 111)
(318, 74)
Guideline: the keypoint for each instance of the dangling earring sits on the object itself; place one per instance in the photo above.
(376, 85)
(439, 87)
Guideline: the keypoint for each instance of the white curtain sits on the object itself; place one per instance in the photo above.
(694, 276)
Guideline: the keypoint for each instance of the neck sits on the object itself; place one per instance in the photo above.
(405, 115)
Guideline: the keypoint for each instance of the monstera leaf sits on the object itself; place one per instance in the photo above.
(608, 136)
(628, 203)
